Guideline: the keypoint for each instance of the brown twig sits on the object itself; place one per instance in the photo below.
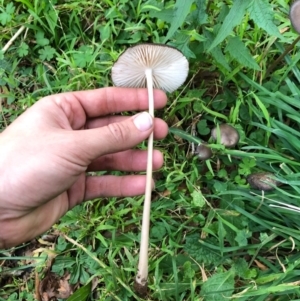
(287, 50)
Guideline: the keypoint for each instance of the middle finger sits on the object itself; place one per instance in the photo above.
(129, 160)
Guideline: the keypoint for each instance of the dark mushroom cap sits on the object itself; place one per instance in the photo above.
(263, 181)
(169, 67)
(295, 15)
(229, 136)
(203, 152)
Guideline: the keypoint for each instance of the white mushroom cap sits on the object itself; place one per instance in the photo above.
(169, 67)
(295, 15)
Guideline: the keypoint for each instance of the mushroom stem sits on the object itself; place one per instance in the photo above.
(142, 275)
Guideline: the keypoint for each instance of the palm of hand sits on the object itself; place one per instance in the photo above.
(47, 151)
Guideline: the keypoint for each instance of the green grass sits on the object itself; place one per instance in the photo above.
(212, 236)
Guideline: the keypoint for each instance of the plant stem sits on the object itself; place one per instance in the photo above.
(15, 36)
(278, 60)
(142, 275)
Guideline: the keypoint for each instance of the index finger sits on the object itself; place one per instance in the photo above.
(82, 105)
(105, 101)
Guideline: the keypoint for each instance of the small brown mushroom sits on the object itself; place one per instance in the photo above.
(203, 152)
(229, 136)
(263, 181)
(295, 15)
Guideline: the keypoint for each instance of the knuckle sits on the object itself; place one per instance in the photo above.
(118, 132)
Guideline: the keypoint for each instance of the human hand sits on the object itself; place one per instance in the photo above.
(46, 152)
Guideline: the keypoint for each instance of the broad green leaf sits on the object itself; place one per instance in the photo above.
(199, 15)
(81, 294)
(237, 50)
(233, 222)
(46, 53)
(219, 287)
(200, 252)
(40, 39)
(261, 13)
(202, 127)
(166, 15)
(233, 18)
(158, 231)
(83, 56)
(216, 52)
(181, 42)
(188, 271)
(198, 199)
(182, 8)
(23, 49)
(6, 15)
(241, 268)
(242, 237)
(105, 32)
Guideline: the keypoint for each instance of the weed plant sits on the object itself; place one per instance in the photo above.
(213, 237)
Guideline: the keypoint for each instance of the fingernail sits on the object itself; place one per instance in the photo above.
(143, 121)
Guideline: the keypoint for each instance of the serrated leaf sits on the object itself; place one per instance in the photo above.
(158, 231)
(200, 252)
(199, 15)
(216, 52)
(262, 14)
(219, 287)
(10, 8)
(240, 268)
(83, 56)
(237, 50)
(181, 42)
(233, 18)
(6, 15)
(188, 271)
(242, 237)
(166, 15)
(46, 53)
(23, 49)
(182, 8)
(236, 220)
(40, 39)
(198, 199)
(81, 294)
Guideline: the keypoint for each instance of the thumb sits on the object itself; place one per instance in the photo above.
(117, 136)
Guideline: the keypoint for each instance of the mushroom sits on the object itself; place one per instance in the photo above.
(295, 15)
(203, 152)
(152, 66)
(229, 136)
(263, 181)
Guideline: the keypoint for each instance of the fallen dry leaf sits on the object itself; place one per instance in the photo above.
(53, 287)
(260, 265)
